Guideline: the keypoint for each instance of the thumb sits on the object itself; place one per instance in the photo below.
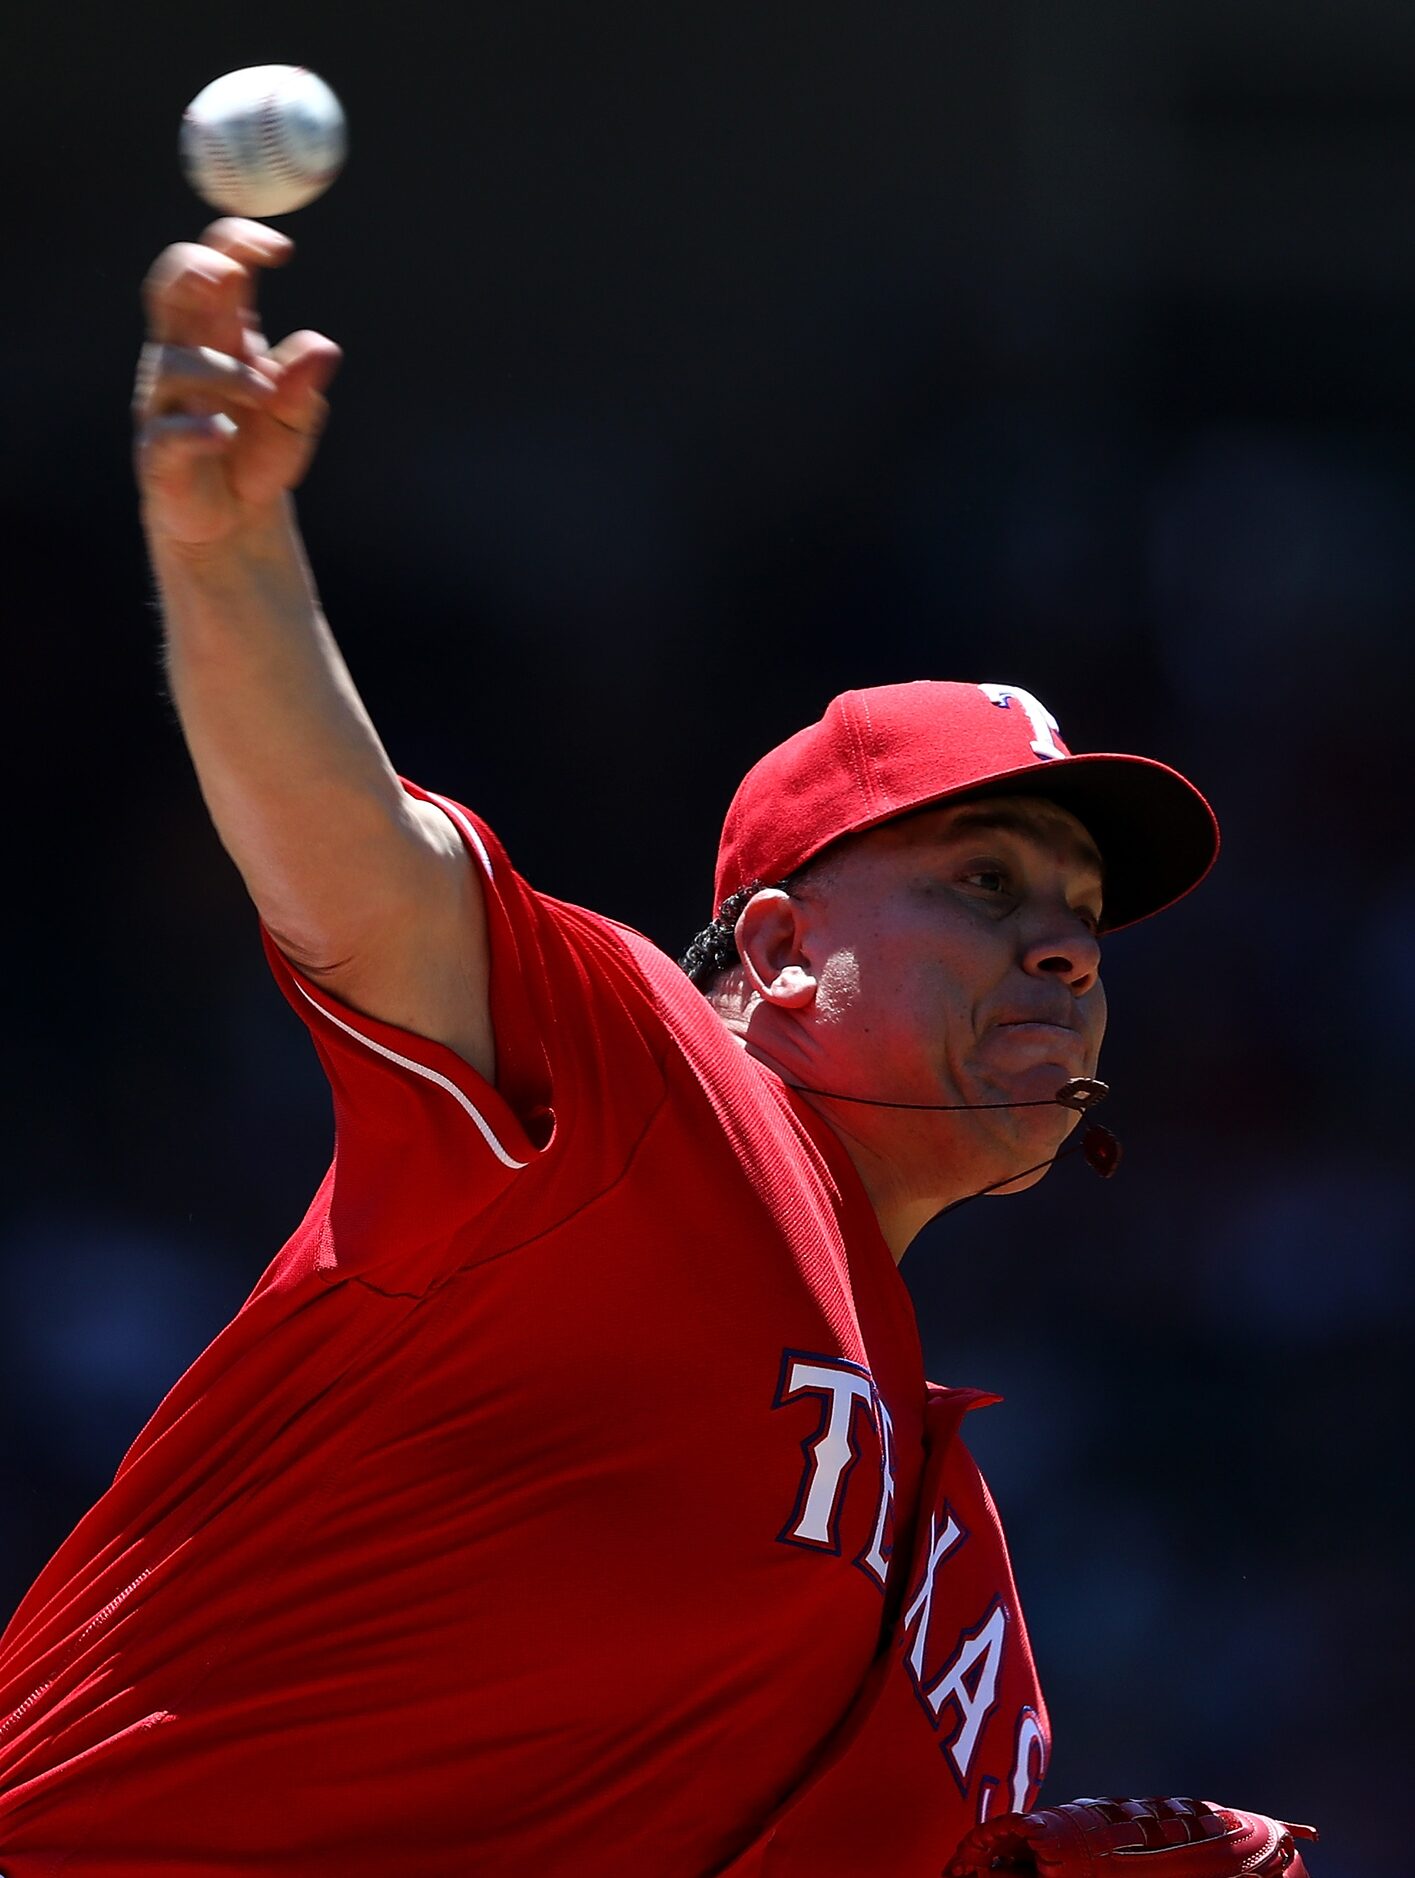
(274, 451)
(303, 366)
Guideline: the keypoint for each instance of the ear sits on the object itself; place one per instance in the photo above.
(770, 934)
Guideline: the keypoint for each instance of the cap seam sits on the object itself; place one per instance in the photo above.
(859, 757)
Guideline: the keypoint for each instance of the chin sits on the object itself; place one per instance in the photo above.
(1020, 1185)
(1039, 1082)
(1043, 1135)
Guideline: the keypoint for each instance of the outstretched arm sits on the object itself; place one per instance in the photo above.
(367, 890)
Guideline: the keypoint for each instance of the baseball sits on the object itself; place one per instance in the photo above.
(264, 140)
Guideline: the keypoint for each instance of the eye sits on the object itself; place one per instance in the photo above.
(1088, 911)
(988, 878)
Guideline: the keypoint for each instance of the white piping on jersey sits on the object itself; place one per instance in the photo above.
(418, 1069)
(459, 820)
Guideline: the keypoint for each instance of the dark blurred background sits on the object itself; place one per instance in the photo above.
(701, 363)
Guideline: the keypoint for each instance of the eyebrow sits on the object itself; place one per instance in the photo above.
(1055, 837)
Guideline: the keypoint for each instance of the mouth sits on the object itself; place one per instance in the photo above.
(1059, 1043)
(1040, 1026)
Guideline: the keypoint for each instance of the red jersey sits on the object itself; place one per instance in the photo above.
(567, 1498)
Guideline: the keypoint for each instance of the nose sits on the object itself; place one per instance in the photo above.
(1062, 945)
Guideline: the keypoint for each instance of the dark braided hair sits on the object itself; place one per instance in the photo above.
(715, 948)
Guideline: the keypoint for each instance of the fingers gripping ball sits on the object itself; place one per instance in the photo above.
(1118, 1838)
(264, 140)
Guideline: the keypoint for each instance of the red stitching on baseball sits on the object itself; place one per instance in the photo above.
(272, 137)
(223, 173)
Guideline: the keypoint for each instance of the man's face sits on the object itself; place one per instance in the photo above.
(956, 961)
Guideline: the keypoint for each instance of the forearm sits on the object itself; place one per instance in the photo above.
(368, 889)
(298, 784)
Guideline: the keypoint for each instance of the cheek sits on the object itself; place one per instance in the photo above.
(915, 983)
(838, 988)
(884, 995)
(919, 996)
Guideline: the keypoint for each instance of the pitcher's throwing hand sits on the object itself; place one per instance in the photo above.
(225, 423)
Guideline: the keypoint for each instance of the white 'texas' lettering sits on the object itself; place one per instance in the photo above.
(1029, 1764)
(832, 1453)
(1045, 729)
(844, 1389)
(876, 1559)
(970, 1684)
(940, 1545)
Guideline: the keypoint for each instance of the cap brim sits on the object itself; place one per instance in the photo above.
(1157, 835)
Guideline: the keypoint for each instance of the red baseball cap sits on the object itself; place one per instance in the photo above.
(879, 753)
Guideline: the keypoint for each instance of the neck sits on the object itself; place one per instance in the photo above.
(901, 1211)
(911, 1166)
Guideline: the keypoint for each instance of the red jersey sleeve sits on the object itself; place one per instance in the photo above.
(434, 1167)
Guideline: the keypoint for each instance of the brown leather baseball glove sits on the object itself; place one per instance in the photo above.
(1127, 1838)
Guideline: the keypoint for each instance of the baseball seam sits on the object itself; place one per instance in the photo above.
(275, 151)
(223, 173)
(270, 134)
